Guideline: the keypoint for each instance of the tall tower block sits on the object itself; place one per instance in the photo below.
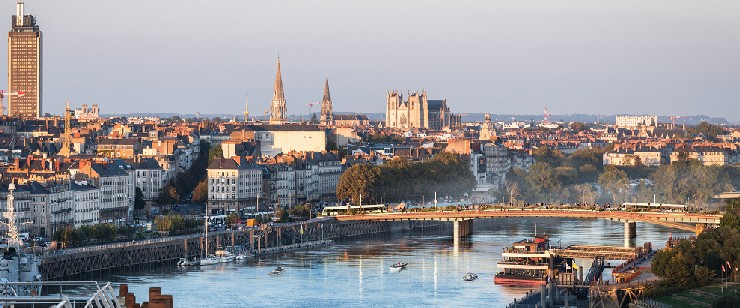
(24, 65)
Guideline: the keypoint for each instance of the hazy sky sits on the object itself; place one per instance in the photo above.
(581, 56)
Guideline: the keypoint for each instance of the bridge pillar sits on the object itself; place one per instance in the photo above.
(630, 232)
(700, 228)
(462, 228)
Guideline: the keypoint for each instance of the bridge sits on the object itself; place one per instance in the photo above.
(463, 219)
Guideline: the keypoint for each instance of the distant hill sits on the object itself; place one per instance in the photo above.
(473, 117)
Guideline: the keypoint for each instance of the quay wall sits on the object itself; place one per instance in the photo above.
(259, 240)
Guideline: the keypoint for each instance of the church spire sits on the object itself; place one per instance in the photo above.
(327, 96)
(327, 113)
(246, 107)
(278, 109)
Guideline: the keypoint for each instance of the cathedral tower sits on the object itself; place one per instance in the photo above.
(327, 113)
(278, 110)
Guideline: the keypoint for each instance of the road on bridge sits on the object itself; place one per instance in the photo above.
(680, 220)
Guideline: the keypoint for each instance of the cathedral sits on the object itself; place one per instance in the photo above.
(417, 111)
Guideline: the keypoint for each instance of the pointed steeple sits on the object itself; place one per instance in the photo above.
(327, 96)
(278, 109)
(246, 108)
(327, 112)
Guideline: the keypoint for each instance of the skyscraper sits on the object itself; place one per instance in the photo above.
(327, 114)
(278, 110)
(24, 65)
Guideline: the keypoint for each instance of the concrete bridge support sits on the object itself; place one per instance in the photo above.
(630, 233)
(462, 228)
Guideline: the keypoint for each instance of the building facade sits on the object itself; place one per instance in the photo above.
(24, 65)
(418, 112)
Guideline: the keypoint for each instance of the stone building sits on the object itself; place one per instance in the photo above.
(278, 109)
(327, 113)
(417, 111)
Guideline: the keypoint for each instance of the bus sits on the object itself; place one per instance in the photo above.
(348, 209)
(216, 221)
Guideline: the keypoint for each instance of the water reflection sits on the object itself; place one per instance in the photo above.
(357, 273)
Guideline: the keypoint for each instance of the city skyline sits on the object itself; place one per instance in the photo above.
(502, 57)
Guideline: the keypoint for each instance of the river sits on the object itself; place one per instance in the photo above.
(356, 273)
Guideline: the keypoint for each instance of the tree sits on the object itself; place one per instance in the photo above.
(163, 223)
(358, 180)
(232, 219)
(615, 182)
(512, 188)
(314, 119)
(541, 178)
(578, 126)
(214, 152)
(139, 202)
(200, 194)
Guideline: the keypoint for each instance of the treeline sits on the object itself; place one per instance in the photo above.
(185, 182)
(176, 224)
(400, 179)
(95, 234)
(694, 263)
(581, 178)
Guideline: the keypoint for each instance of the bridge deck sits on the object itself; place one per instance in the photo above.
(683, 221)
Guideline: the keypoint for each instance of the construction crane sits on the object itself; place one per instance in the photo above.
(2, 97)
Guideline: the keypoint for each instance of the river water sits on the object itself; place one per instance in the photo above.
(356, 273)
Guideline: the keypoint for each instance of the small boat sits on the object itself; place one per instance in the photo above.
(277, 272)
(186, 262)
(241, 257)
(209, 260)
(399, 266)
(224, 256)
(470, 277)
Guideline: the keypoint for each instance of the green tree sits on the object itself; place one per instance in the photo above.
(541, 178)
(578, 126)
(163, 223)
(359, 180)
(139, 200)
(615, 182)
(214, 152)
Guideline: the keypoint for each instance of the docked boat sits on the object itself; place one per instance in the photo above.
(528, 263)
(276, 272)
(209, 260)
(241, 257)
(185, 262)
(399, 266)
(224, 256)
(470, 277)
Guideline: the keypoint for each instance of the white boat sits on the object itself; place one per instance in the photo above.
(186, 262)
(399, 266)
(241, 257)
(209, 260)
(470, 277)
(224, 256)
(276, 272)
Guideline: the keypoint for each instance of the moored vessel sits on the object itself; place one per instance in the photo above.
(528, 263)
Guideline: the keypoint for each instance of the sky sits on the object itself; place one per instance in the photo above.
(662, 57)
